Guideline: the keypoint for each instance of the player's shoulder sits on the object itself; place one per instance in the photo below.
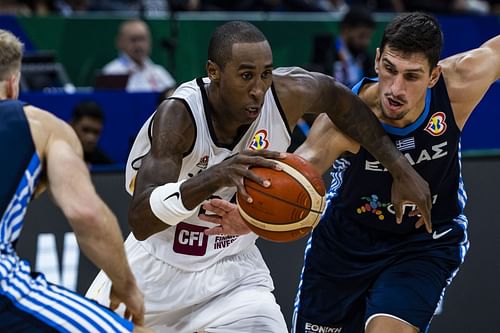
(46, 127)
(296, 81)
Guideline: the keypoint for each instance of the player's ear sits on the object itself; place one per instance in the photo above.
(435, 73)
(12, 87)
(213, 71)
(377, 59)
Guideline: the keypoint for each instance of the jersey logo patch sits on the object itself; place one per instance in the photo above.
(259, 141)
(436, 125)
(373, 206)
(203, 163)
(190, 240)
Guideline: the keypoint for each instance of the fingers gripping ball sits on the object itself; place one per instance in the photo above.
(290, 207)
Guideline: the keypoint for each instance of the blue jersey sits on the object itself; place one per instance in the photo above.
(391, 269)
(19, 172)
(28, 302)
(431, 144)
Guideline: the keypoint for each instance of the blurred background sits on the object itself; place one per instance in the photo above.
(80, 65)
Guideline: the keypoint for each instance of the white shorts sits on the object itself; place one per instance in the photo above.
(233, 295)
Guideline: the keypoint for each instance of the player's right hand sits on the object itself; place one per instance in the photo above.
(233, 170)
(133, 299)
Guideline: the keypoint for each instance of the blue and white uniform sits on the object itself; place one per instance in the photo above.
(359, 263)
(28, 302)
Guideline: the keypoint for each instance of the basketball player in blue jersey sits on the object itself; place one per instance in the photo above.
(364, 271)
(36, 145)
(199, 274)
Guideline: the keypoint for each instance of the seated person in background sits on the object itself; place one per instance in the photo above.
(87, 121)
(347, 57)
(134, 43)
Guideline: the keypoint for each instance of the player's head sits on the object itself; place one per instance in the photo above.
(406, 63)
(11, 51)
(357, 27)
(240, 64)
(134, 39)
(87, 121)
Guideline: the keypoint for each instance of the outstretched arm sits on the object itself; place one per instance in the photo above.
(317, 93)
(469, 75)
(95, 226)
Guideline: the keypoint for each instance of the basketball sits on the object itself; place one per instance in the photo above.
(289, 208)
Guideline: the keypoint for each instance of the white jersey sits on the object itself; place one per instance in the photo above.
(185, 245)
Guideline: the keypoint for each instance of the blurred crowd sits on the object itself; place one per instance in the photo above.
(74, 7)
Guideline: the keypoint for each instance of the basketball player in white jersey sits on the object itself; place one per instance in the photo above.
(197, 275)
(40, 151)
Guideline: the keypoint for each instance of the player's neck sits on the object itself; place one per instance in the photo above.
(225, 129)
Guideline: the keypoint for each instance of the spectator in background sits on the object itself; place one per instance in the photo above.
(88, 121)
(134, 43)
(347, 57)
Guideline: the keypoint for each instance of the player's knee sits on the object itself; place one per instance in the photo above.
(387, 324)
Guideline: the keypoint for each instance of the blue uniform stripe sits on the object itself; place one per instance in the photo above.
(83, 315)
(111, 319)
(12, 219)
(296, 304)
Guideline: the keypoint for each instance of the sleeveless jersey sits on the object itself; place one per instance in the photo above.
(19, 174)
(432, 146)
(185, 245)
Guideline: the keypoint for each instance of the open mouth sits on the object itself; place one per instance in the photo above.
(394, 103)
(252, 111)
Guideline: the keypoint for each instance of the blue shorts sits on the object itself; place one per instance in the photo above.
(352, 273)
(28, 303)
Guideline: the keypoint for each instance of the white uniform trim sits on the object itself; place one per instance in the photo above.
(185, 245)
(390, 316)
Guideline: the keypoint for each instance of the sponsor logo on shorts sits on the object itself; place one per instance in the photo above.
(190, 239)
(314, 328)
(259, 141)
(223, 241)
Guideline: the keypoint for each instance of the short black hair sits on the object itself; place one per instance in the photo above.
(87, 109)
(222, 40)
(358, 17)
(415, 33)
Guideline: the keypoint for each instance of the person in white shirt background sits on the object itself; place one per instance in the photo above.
(134, 43)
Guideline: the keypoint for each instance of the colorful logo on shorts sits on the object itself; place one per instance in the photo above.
(436, 125)
(259, 141)
(373, 206)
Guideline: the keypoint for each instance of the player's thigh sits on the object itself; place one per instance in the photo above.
(410, 290)
(247, 309)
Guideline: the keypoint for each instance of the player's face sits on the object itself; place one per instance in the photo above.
(245, 80)
(403, 81)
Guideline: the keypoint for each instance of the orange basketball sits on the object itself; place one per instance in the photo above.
(290, 207)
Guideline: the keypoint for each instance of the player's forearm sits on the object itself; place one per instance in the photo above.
(353, 117)
(100, 239)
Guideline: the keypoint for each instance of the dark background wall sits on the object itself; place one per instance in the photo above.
(472, 301)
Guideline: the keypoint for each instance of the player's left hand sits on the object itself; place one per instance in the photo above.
(226, 215)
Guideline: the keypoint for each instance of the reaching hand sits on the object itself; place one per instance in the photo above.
(408, 187)
(226, 215)
(133, 299)
(232, 171)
